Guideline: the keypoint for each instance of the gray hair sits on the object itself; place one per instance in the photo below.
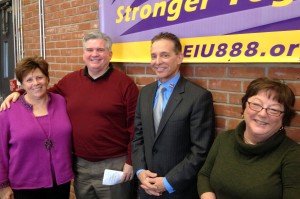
(98, 35)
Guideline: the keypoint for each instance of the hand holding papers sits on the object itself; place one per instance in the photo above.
(112, 177)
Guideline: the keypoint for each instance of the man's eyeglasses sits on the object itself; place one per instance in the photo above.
(270, 111)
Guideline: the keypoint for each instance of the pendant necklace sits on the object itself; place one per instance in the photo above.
(48, 144)
(44, 121)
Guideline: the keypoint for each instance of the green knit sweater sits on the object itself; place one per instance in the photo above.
(235, 170)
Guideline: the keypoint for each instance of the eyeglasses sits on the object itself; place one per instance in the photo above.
(270, 111)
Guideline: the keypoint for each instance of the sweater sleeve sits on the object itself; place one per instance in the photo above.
(291, 174)
(131, 96)
(203, 183)
(4, 156)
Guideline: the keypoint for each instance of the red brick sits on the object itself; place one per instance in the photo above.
(293, 133)
(51, 2)
(60, 60)
(77, 67)
(54, 80)
(54, 52)
(288, 73)
(297, 104)
(210, 71)
(83, 10)
(225, 85)
(50, 59)
(245, 72)
(77, 3)
(50, 45)
(219, 97)
(235, 98)
(295, 87)
(233, 123)
(144, 80)
(296, 121)
(60, 44)
(73, 60)
(52, 8)
(86, 26)
(135, 70)
(228, 110)
(200, 82)
(187, 70)
(60, 74)
(221, 122)
(72, 52)
(149, 70)
(67, 52)
(65, 68)
(55, 67)
(65, 5)
(245, 85)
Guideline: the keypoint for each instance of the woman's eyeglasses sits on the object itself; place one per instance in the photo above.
(270, 111)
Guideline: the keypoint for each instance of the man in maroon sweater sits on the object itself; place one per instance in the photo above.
(101, 104)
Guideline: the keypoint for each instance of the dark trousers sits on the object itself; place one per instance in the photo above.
(55, 192)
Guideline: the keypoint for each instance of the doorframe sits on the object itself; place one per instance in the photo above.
(11, 42)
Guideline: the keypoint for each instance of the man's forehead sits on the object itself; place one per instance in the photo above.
(161, 52)
(95, 41)
(163, 44)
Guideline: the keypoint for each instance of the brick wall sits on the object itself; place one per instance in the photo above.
(67, 21)
(228, 82)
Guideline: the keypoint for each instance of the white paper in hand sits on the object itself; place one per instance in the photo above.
(112, 177)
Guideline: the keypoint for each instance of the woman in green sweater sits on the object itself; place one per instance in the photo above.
(256, 160)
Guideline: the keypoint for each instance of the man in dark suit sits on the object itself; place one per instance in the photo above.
(168, 159)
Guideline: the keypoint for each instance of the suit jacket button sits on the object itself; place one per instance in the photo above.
(154, 151)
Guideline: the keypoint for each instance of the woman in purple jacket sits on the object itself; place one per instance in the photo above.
(35, 139)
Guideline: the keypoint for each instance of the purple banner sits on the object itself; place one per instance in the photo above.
(139, 20)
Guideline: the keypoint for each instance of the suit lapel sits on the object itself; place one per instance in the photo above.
(173, 102)
(150, 106)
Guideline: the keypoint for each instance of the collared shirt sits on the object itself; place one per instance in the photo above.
(105, 75)
(169, 85)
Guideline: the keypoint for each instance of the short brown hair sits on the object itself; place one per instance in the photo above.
(171, 37)
(283, 94)
(29, 64)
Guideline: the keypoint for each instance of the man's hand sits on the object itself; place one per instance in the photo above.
(208, 195)
(6, 103)
(127, 173)
(146, 178)
(6, 193)
(158, 183)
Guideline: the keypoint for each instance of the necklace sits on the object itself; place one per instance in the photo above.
(247, 141)
(44, 121)
(48, 143)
